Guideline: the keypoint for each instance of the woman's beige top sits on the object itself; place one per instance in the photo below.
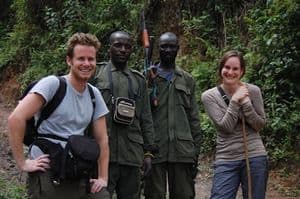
(227, 119)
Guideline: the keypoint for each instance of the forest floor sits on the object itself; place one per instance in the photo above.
(284, 182)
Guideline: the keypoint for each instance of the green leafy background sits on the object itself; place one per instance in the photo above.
(33, 34)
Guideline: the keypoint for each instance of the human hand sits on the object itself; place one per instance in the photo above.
(97, 184)
(245, 100)
(147, 165)
(241, 93)
(41, 163)
(194, 167)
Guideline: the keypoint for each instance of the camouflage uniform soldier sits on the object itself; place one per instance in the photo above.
(129, 123)
(176, 126)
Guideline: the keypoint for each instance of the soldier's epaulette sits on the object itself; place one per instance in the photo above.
(100, 67)
(138, 73)
(103, 63)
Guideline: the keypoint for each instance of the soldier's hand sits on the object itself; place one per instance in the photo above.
(194, 167)
(147, 165)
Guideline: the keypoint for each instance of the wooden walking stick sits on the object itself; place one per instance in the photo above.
(247, 158)
(225, 98)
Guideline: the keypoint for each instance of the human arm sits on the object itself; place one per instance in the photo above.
(147, 131)
(225, 118)
(254, 109)
(26, 108)
(146, 121)
(100, 134)
(194, 121)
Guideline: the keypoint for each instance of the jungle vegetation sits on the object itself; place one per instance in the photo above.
(33, 34)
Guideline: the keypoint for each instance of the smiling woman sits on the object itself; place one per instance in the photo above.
(230, 105)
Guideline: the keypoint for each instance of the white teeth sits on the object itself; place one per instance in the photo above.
(85, 70)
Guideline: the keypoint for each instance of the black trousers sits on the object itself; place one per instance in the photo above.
(179, 177)
(124, 180)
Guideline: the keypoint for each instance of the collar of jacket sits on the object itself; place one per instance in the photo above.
(177, 71)
(113, 68)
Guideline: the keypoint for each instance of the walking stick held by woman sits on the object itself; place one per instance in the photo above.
(247, 158)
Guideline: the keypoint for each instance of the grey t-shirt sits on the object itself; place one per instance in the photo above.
(73, 114)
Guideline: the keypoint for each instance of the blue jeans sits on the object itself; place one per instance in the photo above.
(230, 174)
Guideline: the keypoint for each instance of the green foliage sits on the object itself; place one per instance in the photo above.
(209, 135)
(202, 26)
(104, 17)
(46, 46)
(49, 61)
(10, 190)
(266, 31)
(15, 42)
(277, 64)
(7, 19)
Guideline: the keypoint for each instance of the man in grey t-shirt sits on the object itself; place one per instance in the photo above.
(71, 117)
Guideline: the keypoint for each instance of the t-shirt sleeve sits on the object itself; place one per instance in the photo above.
(100, 109)
(46, 87)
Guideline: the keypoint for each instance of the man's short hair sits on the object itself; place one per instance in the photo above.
(82, 39)
(119, 34)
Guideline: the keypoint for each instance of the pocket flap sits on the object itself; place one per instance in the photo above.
(136, 138)
(184, 137)
(183, 88)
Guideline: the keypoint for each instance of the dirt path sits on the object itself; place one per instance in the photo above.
(276, 187)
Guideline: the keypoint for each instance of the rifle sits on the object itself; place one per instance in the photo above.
(149, 73)
(146, 42)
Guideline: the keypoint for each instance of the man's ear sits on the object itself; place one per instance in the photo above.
(69, 61)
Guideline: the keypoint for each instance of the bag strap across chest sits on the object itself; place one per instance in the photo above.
(224, 96)
(130, 90)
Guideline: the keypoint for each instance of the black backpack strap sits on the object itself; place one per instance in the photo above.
(92, 97)
(224, 96)
(63, 161)
(52, 136)
(90, 126)
(54, 102)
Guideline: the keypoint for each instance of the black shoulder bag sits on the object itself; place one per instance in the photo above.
(81, 153)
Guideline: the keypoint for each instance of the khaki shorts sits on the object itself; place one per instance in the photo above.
(40, 186)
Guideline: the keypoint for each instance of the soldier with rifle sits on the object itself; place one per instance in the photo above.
(176, 126)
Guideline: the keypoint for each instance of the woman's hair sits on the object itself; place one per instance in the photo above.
(226, 56)
(82, 39)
